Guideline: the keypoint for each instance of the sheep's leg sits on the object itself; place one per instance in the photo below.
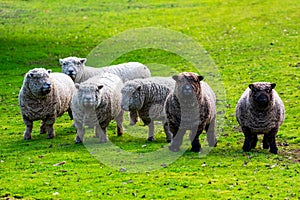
(119, 120)
(177, 140)
(247, 142)
(133, 117)
(210, 133)
(43, 128)
(168, 133)
(80, 132)
(102, 133)
(266, 144)
(272, 141)
(50, 130)
(70, 113)
(254, 140)
(151, 131)
(28, 130)
(194, 137)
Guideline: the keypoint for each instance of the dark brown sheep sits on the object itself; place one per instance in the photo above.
(192, 106)
(260, 111)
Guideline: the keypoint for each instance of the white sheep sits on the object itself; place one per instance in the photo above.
(97, 102)
(260, 111)
(75, 68)
(44, 96)
(147, 97)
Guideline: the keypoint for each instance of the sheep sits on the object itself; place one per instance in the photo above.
(95, 103)
(147, 97)
(260, 111)
(44, 96)
(192, 106)
(76, 69)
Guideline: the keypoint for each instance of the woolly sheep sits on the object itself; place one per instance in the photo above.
(97, 102)
(147, 97)
(44, 96)
(260, 111)
(76, 69)
(192, 106)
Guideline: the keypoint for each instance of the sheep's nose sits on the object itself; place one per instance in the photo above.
(70, 70)
(47, 85)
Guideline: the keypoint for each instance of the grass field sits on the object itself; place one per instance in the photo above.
(248, 41)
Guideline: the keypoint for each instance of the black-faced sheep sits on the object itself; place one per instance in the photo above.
(44, 96)
(147, 97)
(260, 111)
(97, 102)
(192, 106)
(75, 68)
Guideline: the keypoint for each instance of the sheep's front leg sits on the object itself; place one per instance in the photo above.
(28, 130)
(151, 131)
(119, 120)
(247, 143)
(272, 141)
(133, 117)
(51, 132)
(194, 137)
(177, 140)
(80, 132)
(210, 133)
(102, 133)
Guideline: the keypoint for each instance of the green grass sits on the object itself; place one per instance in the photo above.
(249, 41)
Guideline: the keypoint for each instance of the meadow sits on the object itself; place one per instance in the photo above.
(248, 41)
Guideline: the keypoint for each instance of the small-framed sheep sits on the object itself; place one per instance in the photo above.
(147, 97)
(44, 96)
(260, 111)
(192, 106)
(96, 102)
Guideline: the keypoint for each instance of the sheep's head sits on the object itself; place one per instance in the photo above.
(88, 95)
(132, 96)
(187, 85)
(261, 94)
(72, 66)
(39, 82)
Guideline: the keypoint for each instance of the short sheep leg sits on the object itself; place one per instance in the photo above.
(272, 140)
(194, 137)
(210, 133)
(177, 140)
(247, 142)
(119, 120)
(151, 131)
(133, 117)
(254, 140)
(43, 128)
(168, 133)
(102, 133)
(50, 130)
(27, 133)
(80, 133)
(266, 144)
(70, 113)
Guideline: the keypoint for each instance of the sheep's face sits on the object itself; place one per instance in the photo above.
(39, 82)
(261, 94)
(187, 86)
(88, 95)
(72, 65)
(132, 97)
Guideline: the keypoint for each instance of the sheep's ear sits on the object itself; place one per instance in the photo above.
(61, 62)
(200, 78)
(100, 87)
(83, 60)
(251, 86)
(77, 85)
(175, 77)
(139, 88)
(273, 85)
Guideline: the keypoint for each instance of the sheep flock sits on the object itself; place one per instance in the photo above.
(94, 97)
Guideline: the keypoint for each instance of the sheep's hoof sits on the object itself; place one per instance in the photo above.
(150, 139)
(132, 123)
(196, 149)
(120, 134)
(27, 137)
(78, 142)
(168, 140)
(174, 149)
(50, 136)
(274, 151)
